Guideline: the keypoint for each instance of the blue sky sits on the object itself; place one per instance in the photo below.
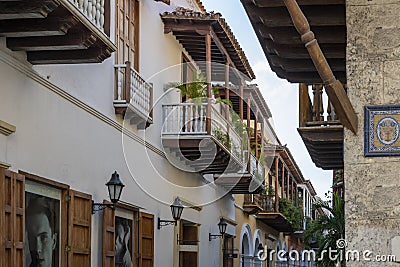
(280, 95)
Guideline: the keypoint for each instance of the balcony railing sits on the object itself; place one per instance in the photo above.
(256, 166)
(133, 91)
(191, 119)
(93, 10)
(315, 113)
(320, 128)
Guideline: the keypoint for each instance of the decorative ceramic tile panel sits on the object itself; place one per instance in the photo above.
(382, 130)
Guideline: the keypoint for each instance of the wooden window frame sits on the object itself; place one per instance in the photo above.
(135, 232)
(64, 208)
(136, 32)
(68, 219)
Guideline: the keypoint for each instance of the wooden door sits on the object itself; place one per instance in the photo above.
(12, 219)
(79, 229)
(228, 249)
(146, 240)
(187, 259)
(108, 237)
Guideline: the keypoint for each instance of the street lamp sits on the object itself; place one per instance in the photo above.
(176, 210)
(114, 187)
(222, 229)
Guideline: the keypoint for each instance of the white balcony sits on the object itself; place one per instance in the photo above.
(134, 93)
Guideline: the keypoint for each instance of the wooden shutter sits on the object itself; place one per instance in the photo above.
(79, 228)
(12, 219)
(108, 236)
(146, 240)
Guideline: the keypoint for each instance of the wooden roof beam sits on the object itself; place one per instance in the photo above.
(278, 3)
(334, 88)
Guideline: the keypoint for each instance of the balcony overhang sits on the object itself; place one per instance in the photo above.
(188, 149)
(56, 32)
(286, 155)
(275, 220)
(282, 45)
(239, 183)
(288, 28)
(324, 144)
(190, 27)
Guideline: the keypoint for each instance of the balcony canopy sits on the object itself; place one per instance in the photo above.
(276, 221)
(287, 158)
(57, 32)
(282, 44)
(190, 27)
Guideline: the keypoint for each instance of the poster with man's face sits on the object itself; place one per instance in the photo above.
(123, 242)
(42, 221)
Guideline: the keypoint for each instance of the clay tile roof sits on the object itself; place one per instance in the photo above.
(200, 4)
(220, 27)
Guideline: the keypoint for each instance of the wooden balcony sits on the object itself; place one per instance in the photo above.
(320, 128)
(272, 217)
(57, 32)
(133, 96)
(251, 181)
(253, 203)
(198, 138)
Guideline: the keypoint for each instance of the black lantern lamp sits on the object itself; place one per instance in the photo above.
(115, 187)
(176, 210)
(222, 229)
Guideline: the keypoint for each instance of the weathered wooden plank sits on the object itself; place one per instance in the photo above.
(36, 27)
(90, 55)
(298, 51)
(70, 41)
(278, 3)
(26, 9)
(326, 15)
(289, 35)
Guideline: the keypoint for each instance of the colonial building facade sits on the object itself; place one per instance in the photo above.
(344, 55)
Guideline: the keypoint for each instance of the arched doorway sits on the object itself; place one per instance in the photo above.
(246, 247)
(257, 242)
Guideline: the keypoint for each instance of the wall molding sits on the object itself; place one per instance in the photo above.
(26, 69)
(6, 128)
(4, 165)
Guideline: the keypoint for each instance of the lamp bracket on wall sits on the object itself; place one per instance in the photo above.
(101, 206)
(211, 237)
(162, 223)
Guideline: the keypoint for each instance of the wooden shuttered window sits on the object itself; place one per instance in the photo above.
(79, 229)
(146, 240)
(12, 219)
(108, 237)
(127, 32)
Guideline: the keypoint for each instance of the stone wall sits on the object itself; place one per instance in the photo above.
(373, 75)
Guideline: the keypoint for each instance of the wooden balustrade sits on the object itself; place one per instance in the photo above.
(313, 113)
(92, 9)
(191, 119)
(131, 89)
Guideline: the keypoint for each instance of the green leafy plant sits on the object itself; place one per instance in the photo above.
(327, 229)
(292, 213)
(222, 137)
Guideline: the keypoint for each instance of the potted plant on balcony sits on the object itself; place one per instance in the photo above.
(293, 213)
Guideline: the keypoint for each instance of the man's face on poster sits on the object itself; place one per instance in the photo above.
(42, 240)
